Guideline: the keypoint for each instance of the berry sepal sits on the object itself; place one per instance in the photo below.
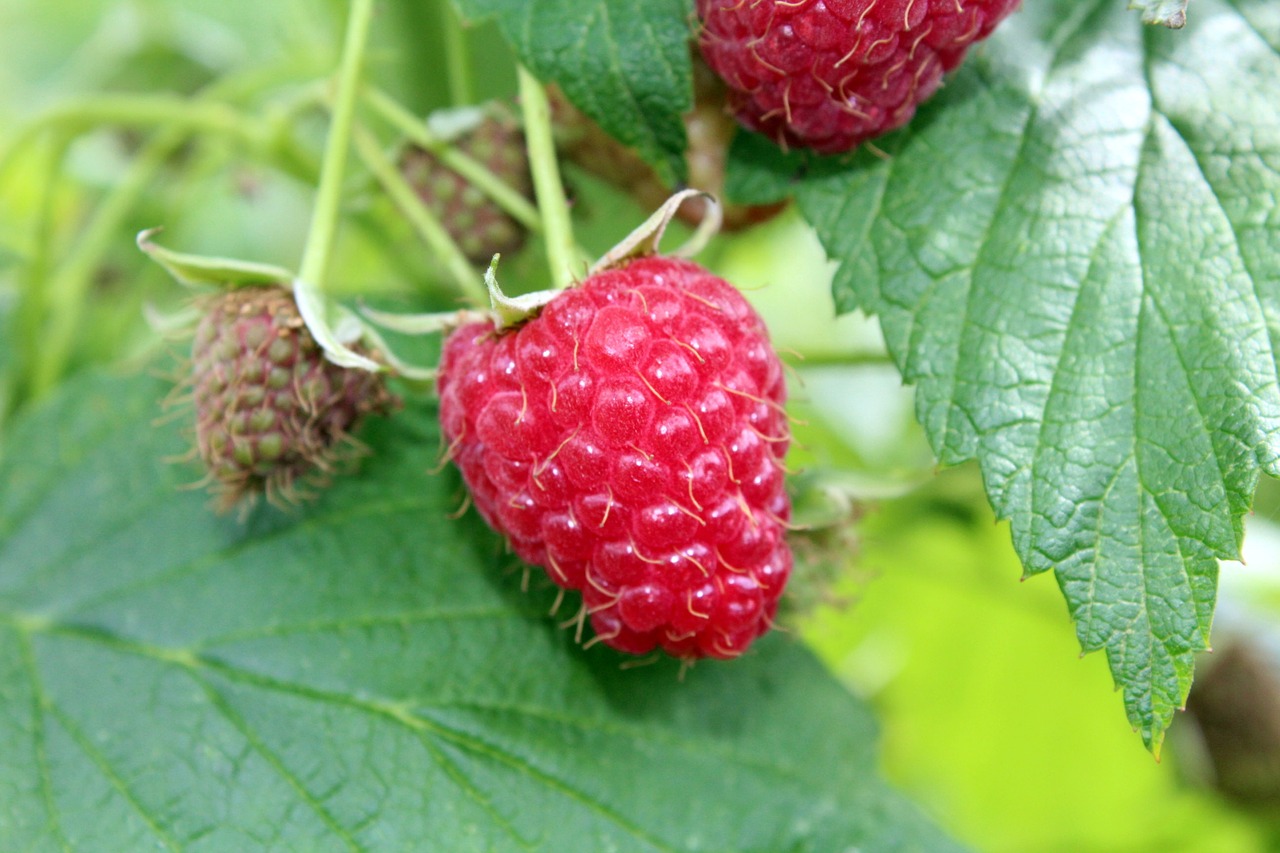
(335, 328)
(644, 240)
(505, 311)
(198, 271)
(510, 311)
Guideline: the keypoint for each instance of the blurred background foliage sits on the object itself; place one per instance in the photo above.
(205, 118)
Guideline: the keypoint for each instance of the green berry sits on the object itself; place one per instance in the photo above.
(270, 408)
(479, 226)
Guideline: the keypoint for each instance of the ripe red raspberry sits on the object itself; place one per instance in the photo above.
(269, 407)
(829, 74)
(629, 440)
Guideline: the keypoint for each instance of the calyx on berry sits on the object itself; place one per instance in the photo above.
(627, 435)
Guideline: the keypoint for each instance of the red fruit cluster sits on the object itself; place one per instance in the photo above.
(629, 440)
(829, 74)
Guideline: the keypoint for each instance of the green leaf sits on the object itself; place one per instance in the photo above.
(365, 673)
(1167, 13)
(1073, 254)
(623, 63)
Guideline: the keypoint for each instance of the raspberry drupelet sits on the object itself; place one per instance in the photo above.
(828, 75)
(629, 439)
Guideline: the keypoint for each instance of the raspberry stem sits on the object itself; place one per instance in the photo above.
(53, 301)
(129, 110)
(420, 217)
(475, 172)
(556, 225)
(65, 291)
(31, 304)
(457, 56)
(324, 216)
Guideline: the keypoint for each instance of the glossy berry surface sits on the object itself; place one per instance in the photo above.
(629, 439)
(829, 74)
(269, 407)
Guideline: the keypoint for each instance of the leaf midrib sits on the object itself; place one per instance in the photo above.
(408, 714)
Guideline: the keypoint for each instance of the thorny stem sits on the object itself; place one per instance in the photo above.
(469, 168)
(556, 225)
(324, 217)
(420, 217)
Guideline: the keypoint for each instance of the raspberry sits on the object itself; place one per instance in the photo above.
(476, 223)
(629, 440)
(269, 407)
(830, 74)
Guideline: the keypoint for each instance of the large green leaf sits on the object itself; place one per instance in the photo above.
(365, 673)
(1073, 251)
(624, 63)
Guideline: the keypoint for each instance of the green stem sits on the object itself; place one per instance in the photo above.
(867, 358)
(472, 170)
(556, 225)
(166, 111)
(54, 301)
(422, 219)
(67, 291)
(34, 292)
(324, 217)
(457, 56)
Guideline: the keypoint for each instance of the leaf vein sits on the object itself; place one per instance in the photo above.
(40, 701)
(599, 725)
(370, 620)
(1254, 278)
(220, 704)
(470, 790)
(1248, 22)
(204, 562)
(104, 767)
(487, 750)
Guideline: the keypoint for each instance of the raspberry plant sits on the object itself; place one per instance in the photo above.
(1069, 252)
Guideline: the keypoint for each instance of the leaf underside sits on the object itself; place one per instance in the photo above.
(365, 673)
(625, 64)
(1073, 254)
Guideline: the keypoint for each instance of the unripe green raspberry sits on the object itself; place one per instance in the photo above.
(270, 408)
(476, 223)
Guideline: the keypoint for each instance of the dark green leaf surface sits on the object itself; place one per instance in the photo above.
(1074, 255)
(623, 63)
(365, 674)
